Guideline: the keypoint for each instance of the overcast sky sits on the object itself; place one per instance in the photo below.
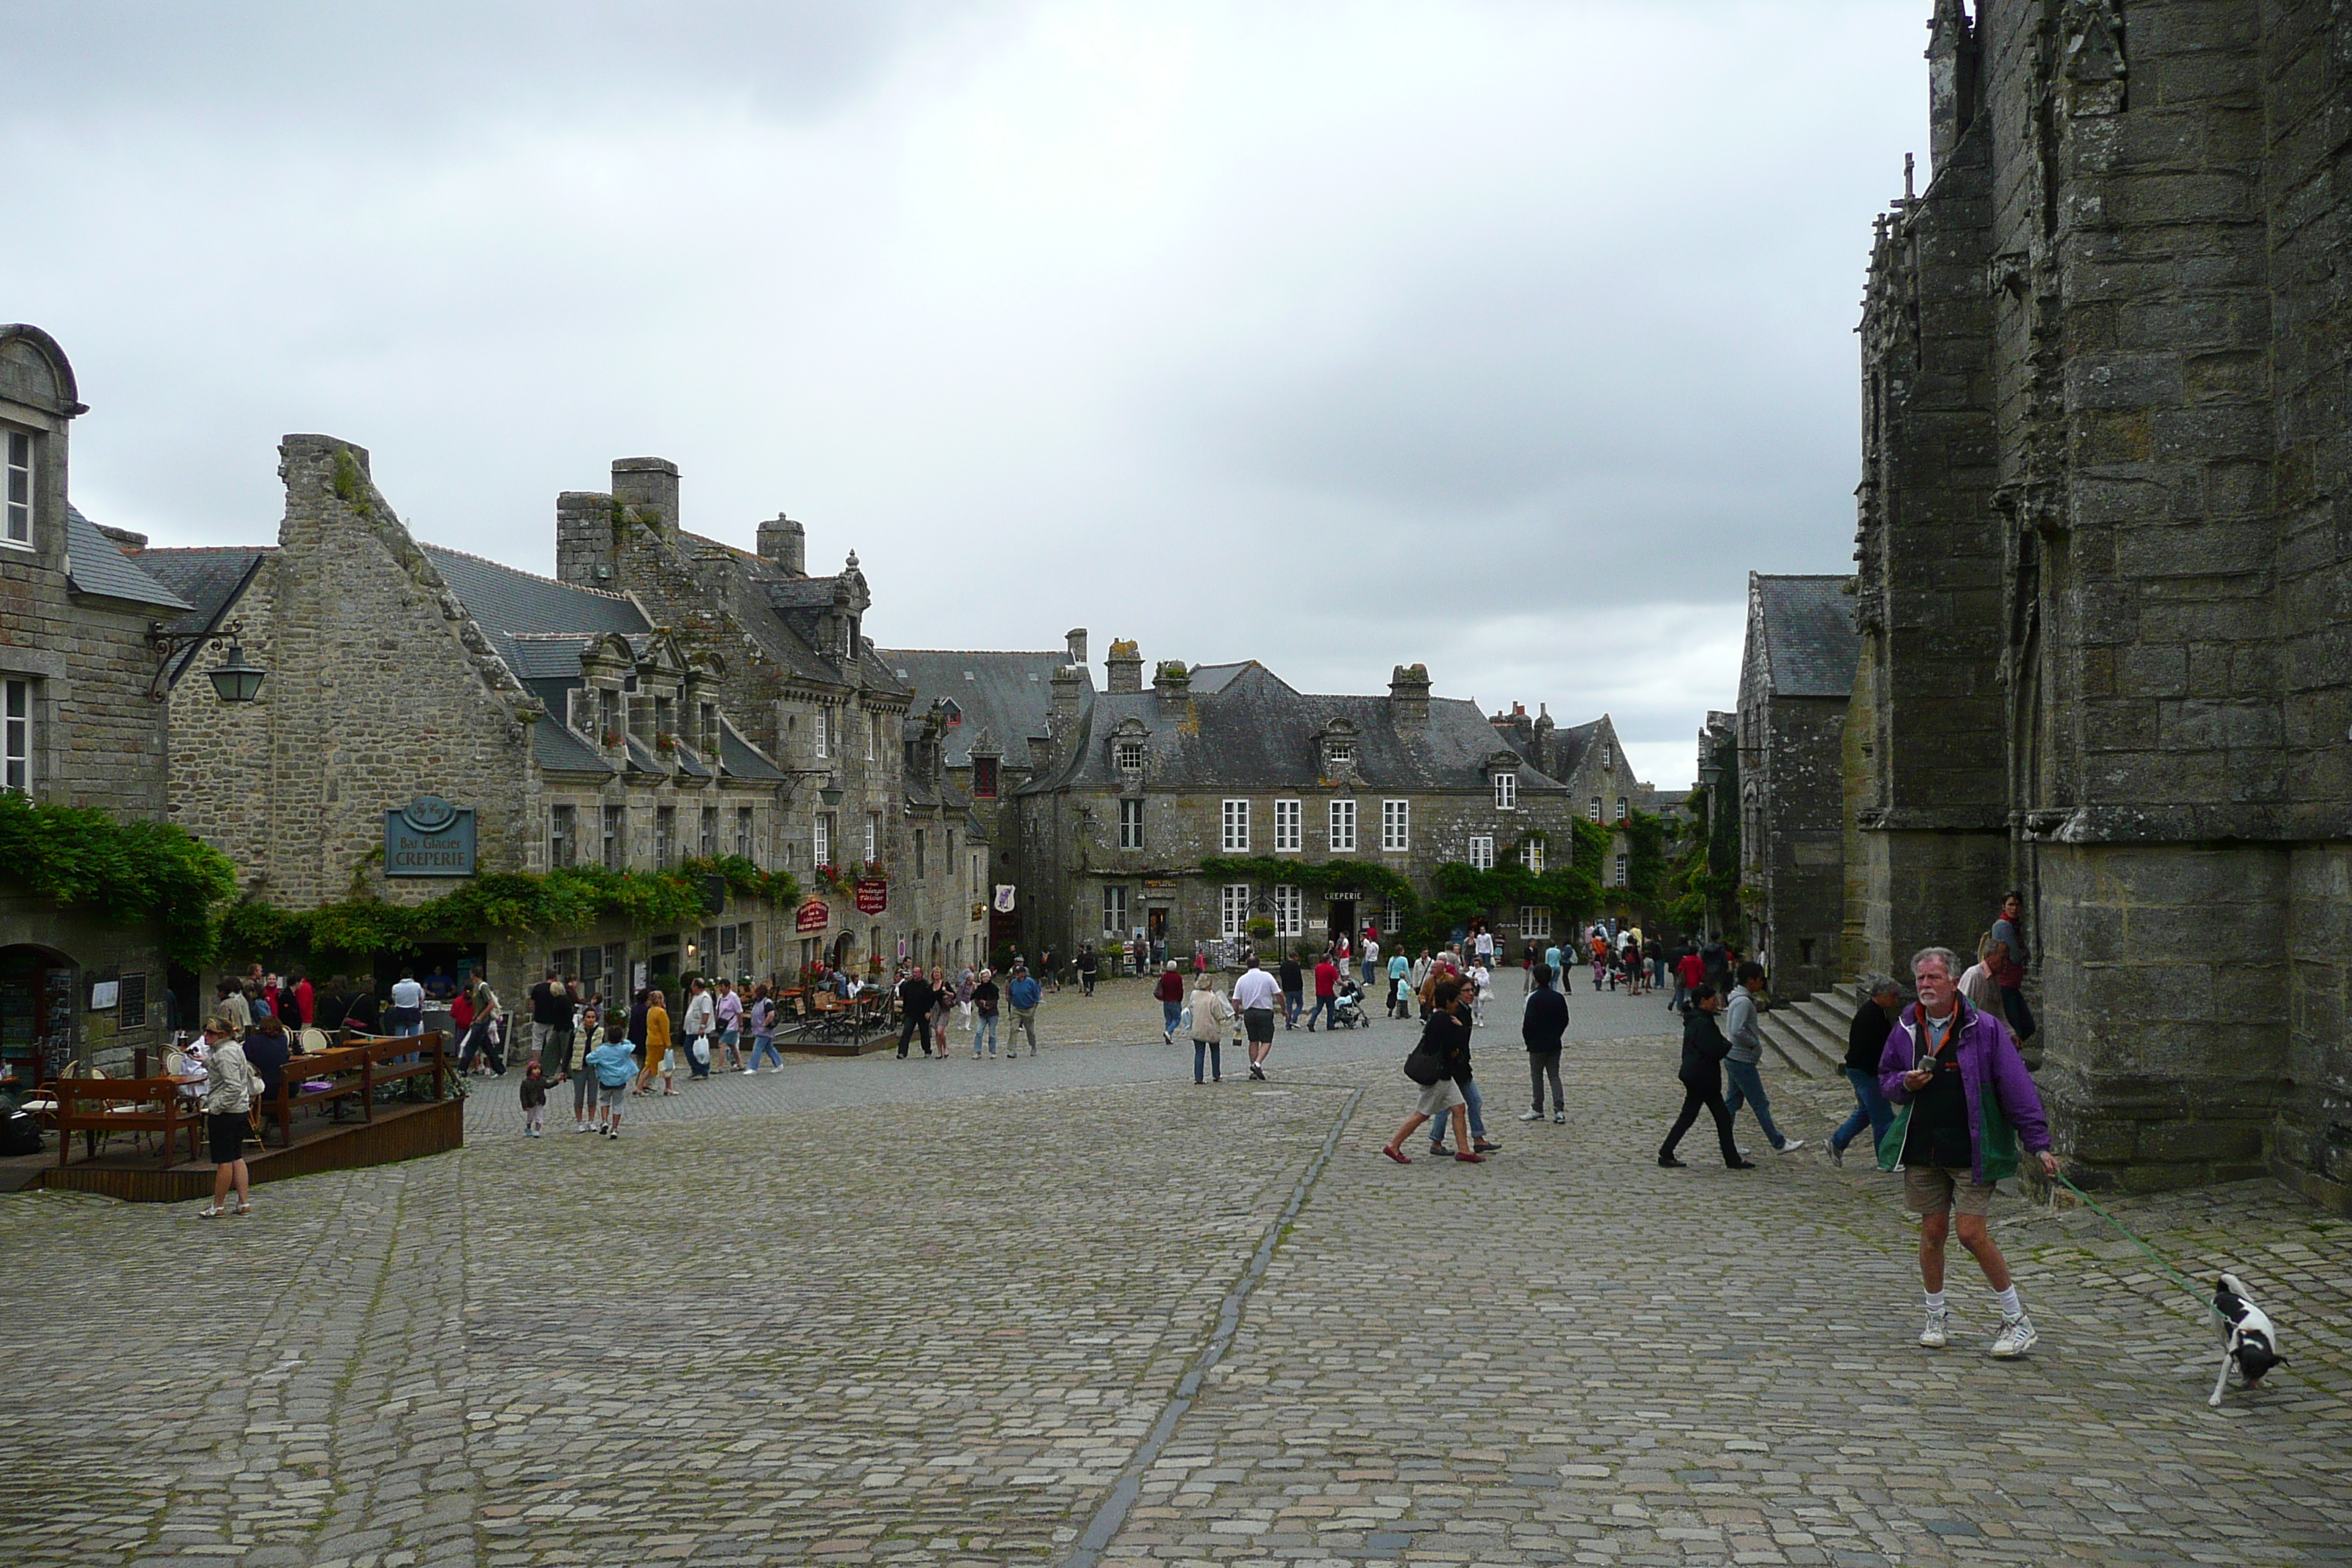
(1507, 338)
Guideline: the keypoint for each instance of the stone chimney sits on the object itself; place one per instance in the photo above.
(1041, 755)
(1126, 667)
(1409, 696)
(649, 485)
(583, 539)
(1069, 687)
(784, 543)
(1173, 684)
(1074, 639)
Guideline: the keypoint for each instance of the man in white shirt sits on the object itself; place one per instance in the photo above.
(1256, 994)
(1371, 959)
(407, 1014)
(701, 1019)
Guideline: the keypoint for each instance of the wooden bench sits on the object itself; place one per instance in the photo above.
(355, 1069)
(124, 1105)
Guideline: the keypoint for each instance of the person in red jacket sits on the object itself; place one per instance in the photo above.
(1327, 992)
(1171, 992)
(1690, 972)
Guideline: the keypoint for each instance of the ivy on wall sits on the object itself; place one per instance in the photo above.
(126, 873)
(506, 903)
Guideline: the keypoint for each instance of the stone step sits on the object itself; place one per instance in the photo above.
(1840, 1003)
(1793, 1044)
(1823, 1030)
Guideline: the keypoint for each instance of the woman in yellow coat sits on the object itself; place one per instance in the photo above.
(657, 1045)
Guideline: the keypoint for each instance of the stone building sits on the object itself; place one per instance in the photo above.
(997, 712)
(578, 722)
(77, 725)
(864, 782)
(1589, 761)
(1796, 677)
(1142, 787)
(2103, 555)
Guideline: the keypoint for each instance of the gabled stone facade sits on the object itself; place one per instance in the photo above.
(1589, 762)
(1135, 788)
(2103, 563)
(79, 724)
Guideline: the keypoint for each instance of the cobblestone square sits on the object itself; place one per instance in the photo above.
(1076, 1309)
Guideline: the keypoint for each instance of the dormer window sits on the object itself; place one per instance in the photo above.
(1506, 792)
(1128, 755)
(1339, 753)
(983, 778)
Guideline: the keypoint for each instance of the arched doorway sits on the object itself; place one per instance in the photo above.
(38, 988)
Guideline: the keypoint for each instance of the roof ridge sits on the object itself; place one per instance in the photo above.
(551, 581)
(996, 652)
(192, 549)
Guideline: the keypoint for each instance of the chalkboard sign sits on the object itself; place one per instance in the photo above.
(130, 1003)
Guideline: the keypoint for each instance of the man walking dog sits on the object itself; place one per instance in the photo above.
(1964, 1101)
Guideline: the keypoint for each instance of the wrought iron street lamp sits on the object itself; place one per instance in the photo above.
(234, 679)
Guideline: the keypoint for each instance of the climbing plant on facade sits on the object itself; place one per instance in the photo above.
(125, 873)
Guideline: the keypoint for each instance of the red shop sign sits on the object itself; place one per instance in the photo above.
(873, 895)
(813, 915)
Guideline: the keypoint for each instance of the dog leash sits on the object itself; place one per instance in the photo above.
(2129, 1234)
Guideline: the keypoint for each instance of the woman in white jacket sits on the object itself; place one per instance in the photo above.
(1212, 1014)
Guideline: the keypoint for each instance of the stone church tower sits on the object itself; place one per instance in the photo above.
(2106, 564)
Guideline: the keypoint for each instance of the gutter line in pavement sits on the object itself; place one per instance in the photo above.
(1105, 1526)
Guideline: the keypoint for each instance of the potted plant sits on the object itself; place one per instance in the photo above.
(612, 738)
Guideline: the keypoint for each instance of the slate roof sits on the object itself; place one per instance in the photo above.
(1257, 733)
(509, 604)
(96, 564)
(1010, 695)
(1217, 677)
(560, 751)
(1569, 746)
(1807, 624)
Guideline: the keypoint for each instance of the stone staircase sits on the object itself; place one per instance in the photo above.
(1809, 1037)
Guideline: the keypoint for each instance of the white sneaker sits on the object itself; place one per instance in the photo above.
(1531, 1116)
(747, 1071)
(1791, 1147)
(1559, 1117)
(2016, 1337)
(1939, 1332)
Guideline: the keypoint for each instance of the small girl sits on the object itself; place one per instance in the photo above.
(535, 1101)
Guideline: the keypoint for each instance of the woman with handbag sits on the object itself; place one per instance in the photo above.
(229, 1088)
(1438, 1064)
(1212, 1016)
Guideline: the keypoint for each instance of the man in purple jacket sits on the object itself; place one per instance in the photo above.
(1964, 1100)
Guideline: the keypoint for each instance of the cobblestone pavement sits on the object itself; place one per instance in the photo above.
(1076, 1309)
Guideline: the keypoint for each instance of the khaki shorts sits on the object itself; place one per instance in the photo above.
(1933, 1189)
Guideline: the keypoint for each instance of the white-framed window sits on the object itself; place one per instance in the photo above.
(1130, 823)
(1535, 923)
(1391, 918)
(1233, 908)
(1338, 754)
(665, 835)
(1114, 912)
(1623, 812)
(18, 763)
(1593, 810)
(19, 530)
(873, 836)
(1343, 827)
(1482, 852)
(1290, 826)
(1506, 792)
(824, 732)
(1235, 839)
(1396, 825)
(1622, 876)
(1531, 854)
(821, 839)
(1608, 755)
(1289, 911)
(1128, 755)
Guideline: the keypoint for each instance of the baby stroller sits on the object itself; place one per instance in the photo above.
(1348, 1005)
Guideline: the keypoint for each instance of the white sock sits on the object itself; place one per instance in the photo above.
(1935, 1300)
(2010, 1305)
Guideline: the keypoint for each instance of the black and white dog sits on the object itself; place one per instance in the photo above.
(2247, 1337)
